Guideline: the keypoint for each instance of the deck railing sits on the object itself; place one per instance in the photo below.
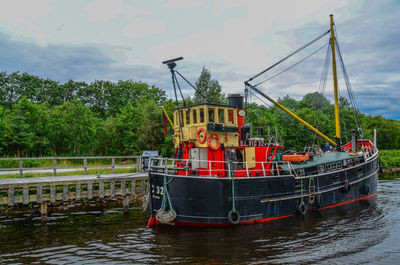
(136, 163)
(215, 168)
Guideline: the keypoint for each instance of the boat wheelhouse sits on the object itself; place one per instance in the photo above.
(209, 135)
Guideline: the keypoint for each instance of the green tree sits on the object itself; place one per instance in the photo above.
(128, 122)
(208, 89)
(5, 131)
(151, 129)
(72, 129)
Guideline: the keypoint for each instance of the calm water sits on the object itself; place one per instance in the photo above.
(358, 233)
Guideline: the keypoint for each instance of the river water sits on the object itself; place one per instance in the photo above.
(364, 232)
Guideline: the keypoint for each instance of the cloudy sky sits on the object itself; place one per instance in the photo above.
(115, 40)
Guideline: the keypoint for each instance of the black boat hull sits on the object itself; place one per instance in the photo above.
(207, 201)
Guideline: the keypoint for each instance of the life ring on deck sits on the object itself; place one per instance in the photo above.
(234, 217)
(201, 139)
(301, 208)
(212, 147)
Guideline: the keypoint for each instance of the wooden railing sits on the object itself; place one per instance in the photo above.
(20, 169)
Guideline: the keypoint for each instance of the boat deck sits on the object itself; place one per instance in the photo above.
(319, 160)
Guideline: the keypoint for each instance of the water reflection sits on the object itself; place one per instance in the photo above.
(362, 232)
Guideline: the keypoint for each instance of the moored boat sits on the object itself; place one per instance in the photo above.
(223, 176)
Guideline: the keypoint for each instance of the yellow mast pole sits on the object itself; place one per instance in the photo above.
(170, 122)
(335, 85)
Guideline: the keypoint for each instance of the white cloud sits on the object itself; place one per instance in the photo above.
(139, 28)
(105, 10)
(184, 3)
(21, 16)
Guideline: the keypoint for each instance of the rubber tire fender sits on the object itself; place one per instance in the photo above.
(234, 217)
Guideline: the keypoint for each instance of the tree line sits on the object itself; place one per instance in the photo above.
(41, 117)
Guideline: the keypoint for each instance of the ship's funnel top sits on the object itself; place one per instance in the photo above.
(236, 100)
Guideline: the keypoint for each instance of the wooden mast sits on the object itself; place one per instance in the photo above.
(335, 86)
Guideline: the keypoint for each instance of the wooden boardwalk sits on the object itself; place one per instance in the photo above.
(44, 190)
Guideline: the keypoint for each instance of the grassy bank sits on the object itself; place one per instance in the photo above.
(389, 158)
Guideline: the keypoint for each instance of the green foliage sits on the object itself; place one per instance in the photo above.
(150, 131)
(40, 117)
(208, 89)
(389, 158)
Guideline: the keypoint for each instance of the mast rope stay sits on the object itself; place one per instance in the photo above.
(187, 81)
(350, 92)
(290, 55)
(290, 67)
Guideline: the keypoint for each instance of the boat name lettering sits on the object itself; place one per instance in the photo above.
(158, 190)
(252, 143)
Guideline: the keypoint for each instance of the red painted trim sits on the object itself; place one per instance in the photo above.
(358, 199)
(265, 220)
(152, 222)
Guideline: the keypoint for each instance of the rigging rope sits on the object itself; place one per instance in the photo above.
(302, 60)
(322, 85)
(290, 55)
(180, 91)
(350, 92)
(187, 81)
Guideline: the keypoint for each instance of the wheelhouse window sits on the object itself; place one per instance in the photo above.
(221, 115)
(202, 115)
(211, 115)
(194, 115)
(181, 117)
(230, 117)
(188, 117)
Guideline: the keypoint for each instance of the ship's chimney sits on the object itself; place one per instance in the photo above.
(236, 100)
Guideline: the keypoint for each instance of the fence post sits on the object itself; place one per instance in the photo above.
(85, 166)
(21, 166)
(139, 164)
(113, 165)
(54, 167)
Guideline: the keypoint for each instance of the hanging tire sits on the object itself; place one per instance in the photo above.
(301, 208)
(234, 217)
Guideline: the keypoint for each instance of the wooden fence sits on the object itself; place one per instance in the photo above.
(46, 190)
(20, 169)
